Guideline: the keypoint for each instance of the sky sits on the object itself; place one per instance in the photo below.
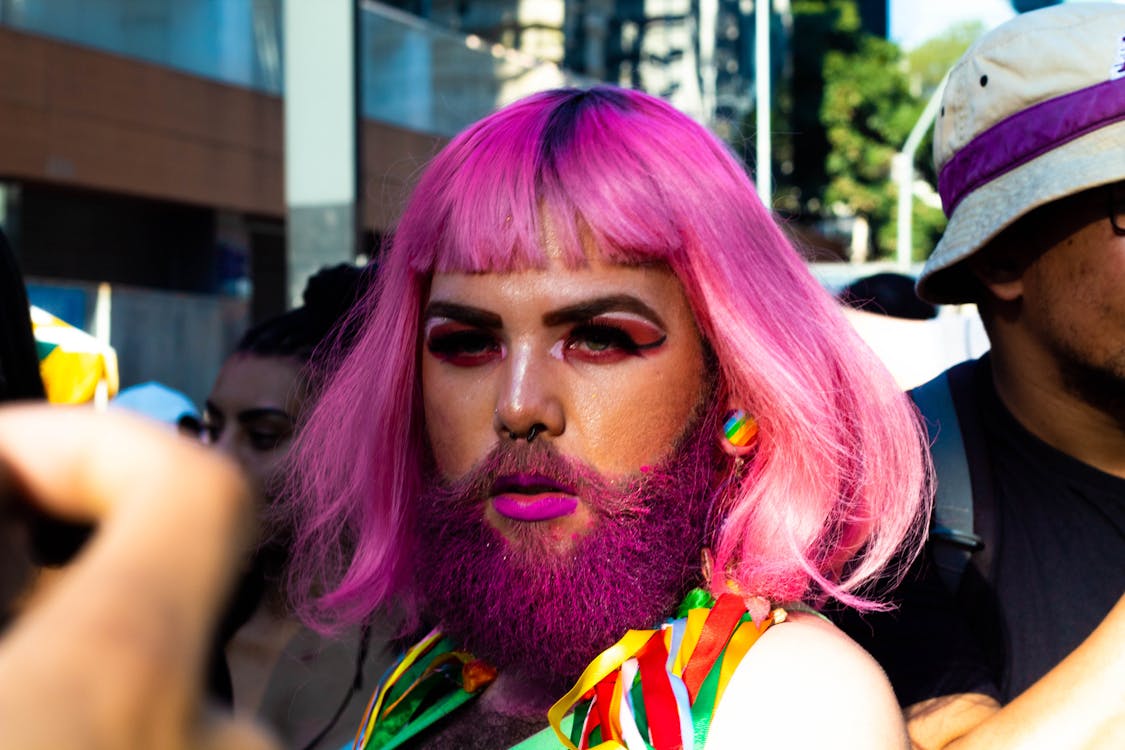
(914, 21)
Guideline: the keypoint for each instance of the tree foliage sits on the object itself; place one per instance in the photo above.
(868, 112)
(845, 108)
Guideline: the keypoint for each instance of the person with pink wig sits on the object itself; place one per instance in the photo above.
(601, 432)
(600, 449)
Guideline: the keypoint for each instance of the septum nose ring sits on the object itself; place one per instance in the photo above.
(532, 431)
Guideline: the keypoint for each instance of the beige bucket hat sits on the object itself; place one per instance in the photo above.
(1034, 111)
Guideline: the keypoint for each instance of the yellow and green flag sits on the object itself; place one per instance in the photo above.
(71, 361)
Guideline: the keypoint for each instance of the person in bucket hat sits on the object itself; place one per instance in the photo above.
(1010, 631)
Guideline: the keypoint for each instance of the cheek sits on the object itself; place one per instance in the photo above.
(1079, 300)
(264, 467)
(458, 422)
(639, 426)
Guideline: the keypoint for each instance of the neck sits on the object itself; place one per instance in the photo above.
(1033, 388)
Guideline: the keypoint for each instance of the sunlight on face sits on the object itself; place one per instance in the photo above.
(603, 362)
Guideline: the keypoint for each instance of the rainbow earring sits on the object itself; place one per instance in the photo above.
(740, 429)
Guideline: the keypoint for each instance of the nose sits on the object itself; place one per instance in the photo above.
(223, 440)
(528, 405)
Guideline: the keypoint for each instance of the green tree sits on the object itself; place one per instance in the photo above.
(868, 111)
(845, 106)
(819, 27)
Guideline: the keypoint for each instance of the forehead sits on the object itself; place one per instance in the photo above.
(249, 381)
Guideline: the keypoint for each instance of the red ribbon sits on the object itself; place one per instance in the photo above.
(661, 711)
(721, 622)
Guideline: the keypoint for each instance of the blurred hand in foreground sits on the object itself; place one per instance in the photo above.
(113, 655)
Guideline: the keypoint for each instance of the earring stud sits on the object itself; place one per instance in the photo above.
(740, 429)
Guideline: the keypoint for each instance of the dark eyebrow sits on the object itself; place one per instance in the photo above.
(473, 316)
(250, 415)
(247, 415)
(592, 308)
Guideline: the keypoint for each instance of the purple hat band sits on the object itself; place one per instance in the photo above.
(1028, 134)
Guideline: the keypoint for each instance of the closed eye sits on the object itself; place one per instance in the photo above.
(461, 345)
(264, 440)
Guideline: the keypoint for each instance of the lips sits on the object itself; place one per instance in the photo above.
(532, 497)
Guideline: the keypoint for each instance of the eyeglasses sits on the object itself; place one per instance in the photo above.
(1115, 197)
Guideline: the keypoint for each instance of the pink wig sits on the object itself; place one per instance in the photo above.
(840, 467)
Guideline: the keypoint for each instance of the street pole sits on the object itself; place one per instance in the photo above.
(762, 91)
(902, 166)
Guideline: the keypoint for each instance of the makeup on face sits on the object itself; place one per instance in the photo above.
(602, 362)
(532, 497)
(602, 330)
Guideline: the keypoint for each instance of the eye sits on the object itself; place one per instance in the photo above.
(463, 346)
(611, 338)
(266, 440)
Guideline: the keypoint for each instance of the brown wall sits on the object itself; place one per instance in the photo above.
(83, 118)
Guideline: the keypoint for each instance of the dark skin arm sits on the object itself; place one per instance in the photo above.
(1078, 704)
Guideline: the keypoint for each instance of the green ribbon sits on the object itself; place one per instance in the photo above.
(695, 599)
(425, 704)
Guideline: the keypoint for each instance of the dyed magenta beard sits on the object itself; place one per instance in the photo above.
(544, 615)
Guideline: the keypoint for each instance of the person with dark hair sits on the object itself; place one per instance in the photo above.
(19, 360)
(890, 294)
(1014, 636)
(300, 684)
(262, 388)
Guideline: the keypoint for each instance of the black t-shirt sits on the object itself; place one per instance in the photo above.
(1058, 567)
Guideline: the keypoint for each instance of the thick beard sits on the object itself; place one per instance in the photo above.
(544, 616)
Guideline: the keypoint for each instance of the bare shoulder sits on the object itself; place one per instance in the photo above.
(806, 684)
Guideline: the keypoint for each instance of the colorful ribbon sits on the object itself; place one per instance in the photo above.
(658, 690)
(652, 690)
(416, 692)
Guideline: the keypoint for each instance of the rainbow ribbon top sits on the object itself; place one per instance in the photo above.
(652, 690)
(658, 689)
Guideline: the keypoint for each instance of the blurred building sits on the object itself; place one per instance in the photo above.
(141, 144)
(697, 54)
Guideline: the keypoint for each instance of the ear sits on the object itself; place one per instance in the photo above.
(999, 267)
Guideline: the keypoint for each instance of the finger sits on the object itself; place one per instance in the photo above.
(170, 510)
(140, 600)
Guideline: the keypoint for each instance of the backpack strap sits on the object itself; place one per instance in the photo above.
(952, 528)
(965, 385)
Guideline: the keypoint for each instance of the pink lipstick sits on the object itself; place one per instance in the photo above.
(532, 497)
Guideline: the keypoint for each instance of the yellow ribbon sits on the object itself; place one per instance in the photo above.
(692, 630)
(408, 659)
(599, 669)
